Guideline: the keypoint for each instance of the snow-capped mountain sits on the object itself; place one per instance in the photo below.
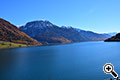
(45, 31)
(68, 27)
(39, 24)
(34, 27)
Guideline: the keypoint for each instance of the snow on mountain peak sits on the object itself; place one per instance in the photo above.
(68, 27)
(39, 24)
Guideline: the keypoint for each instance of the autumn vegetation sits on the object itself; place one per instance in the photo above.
(10, 33)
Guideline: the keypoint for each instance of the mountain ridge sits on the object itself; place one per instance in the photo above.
(47, 32)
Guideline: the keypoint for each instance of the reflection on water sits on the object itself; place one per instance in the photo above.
(80, 61)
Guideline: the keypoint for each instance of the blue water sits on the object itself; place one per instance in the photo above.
(78, 61)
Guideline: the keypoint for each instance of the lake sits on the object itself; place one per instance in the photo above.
(78, 61)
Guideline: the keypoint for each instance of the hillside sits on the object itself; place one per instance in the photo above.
(114, 38)
(44, 31)
(10, 33)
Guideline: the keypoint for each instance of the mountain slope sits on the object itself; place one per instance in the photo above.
(9, 32)
(89, 35)
(114, 38)
(45, 31)
(111, 33)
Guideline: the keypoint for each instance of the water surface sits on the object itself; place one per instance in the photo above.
(78, 61)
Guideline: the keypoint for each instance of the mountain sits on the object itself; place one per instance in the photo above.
(10, 33)
(114, 38)
(111, 34)
(92, 36)
(45, 31)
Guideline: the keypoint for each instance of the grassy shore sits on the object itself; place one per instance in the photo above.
(5, 45)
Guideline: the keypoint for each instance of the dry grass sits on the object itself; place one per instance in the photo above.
(4, 45)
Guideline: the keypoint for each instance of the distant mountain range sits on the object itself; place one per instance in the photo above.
(10, 33)
(46, 32)
(111, 34)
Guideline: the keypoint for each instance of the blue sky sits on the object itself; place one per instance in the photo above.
(95, 15)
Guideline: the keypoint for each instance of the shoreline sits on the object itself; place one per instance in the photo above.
(52, 44)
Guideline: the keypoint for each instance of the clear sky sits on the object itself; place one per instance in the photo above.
(95, 15)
